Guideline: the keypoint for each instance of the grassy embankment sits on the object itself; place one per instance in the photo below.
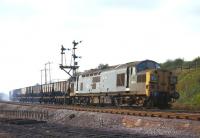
(189, 88)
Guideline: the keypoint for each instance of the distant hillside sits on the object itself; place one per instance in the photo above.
(189, 88)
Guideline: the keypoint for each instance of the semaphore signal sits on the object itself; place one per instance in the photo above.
(73, 66)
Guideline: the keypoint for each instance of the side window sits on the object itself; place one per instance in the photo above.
(94, 86)
(141, 78)
(96, 79)
(81, 86)
(120, 79)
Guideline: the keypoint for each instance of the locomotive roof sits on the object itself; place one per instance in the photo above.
(97, 70)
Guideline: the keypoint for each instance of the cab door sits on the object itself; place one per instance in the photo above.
(163, 81)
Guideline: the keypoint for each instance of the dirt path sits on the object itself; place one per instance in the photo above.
(54, 130)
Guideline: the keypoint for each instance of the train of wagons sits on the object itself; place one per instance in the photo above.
(141, 83)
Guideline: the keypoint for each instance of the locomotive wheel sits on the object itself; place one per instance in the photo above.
(139, 101)
(148, 103)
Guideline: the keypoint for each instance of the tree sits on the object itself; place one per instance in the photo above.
(178, 62)
(172, 64)
(196, 60)
(103, 66)
(168, 64)
(195, 63)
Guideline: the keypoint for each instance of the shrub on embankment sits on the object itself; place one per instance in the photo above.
(189, 88)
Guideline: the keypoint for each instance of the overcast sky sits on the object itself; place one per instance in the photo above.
(113, 32)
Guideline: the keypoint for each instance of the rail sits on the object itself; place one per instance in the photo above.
(172, 114)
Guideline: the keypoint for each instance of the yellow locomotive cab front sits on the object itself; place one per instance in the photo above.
(161, 87)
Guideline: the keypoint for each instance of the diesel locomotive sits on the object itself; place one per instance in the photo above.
(141, 83)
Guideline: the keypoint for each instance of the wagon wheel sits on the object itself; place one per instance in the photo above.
(116, 101)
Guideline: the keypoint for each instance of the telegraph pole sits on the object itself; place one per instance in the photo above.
(45, 68)
(45, 71)
(41, 75)
(49, 72)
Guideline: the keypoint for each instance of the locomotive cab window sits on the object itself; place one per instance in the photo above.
(141, 78)
(120, 79)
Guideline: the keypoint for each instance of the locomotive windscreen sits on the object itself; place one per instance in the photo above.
(147, 64)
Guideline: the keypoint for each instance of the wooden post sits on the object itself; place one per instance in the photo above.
(195, 65)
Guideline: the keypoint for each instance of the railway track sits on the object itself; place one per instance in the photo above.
(172, 114)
